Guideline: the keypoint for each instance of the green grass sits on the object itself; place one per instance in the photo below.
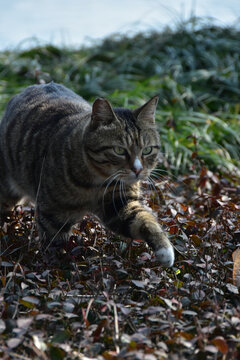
(194, 69)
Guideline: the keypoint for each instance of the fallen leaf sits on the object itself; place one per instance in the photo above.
(2, 326)
(14, 342)
(221, 344)
(212, 349)
(31, 299)
(184, 207)
(138, 283)
(97, 332)
(24, 323)
(39, 343)
(232, 288)
(189, 312)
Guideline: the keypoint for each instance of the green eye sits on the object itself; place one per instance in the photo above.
(119, 150)
(147, 150)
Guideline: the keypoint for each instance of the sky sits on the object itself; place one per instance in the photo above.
(76, 22)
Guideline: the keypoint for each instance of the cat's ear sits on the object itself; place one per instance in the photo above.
(102, 112)
(146, 113)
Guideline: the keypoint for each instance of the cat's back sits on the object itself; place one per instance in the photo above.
(38, 121)
(38, 102)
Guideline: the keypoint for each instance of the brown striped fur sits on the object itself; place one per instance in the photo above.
(63, 154)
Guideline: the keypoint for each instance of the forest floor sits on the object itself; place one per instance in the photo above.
(113, 300)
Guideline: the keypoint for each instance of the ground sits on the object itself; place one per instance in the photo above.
(113, 300)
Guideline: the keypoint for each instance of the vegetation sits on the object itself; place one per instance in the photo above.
(112, 300)
(195, 70)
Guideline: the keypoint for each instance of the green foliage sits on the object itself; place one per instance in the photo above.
(194, 69)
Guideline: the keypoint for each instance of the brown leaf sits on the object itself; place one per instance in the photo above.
(221, 344)
(184, 207)
(87, 323)
(3, 278)
(173, 229)
(185, 335)
(109, 355)
(203, 171)
(97, 332)
(196, 239)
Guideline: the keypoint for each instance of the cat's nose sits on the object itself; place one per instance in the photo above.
(137, 167)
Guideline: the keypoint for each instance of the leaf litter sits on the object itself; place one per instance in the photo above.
(113, 300)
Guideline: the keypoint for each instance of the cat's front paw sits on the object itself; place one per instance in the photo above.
(165, 256)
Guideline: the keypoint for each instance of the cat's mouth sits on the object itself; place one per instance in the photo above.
(125, 178)
(133, 177)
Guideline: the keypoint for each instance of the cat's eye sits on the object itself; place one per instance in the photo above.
(119, 150)
(147, 150)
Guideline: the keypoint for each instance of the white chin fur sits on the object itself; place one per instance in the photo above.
(165, 256)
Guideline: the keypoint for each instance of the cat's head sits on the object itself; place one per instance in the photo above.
(123, 143)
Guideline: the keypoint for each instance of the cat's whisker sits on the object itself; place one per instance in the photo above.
(113, 193)
(124, 191)
(161, 170)
(159, 189)
(153, 188)
(111, 179)
(149, 186)
(121, 192)
(168, 175)
(157, 178)
(152, 183)
(158, 173)
(108, 184)
(117, 172)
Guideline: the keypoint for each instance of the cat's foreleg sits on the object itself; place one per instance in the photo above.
(136, 221)
(144, 226)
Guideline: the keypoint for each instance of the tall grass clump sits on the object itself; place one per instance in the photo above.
(194, 69)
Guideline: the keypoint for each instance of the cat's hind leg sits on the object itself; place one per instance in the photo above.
(8, 198)
(54, 231)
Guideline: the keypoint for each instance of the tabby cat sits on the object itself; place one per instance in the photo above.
(71, 158)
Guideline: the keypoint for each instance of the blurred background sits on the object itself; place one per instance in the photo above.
(75, 22)
(186, 51)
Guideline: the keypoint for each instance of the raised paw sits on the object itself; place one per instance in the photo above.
(165, 256)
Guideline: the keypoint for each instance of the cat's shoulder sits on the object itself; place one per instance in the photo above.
(50, 93)
(50, 89)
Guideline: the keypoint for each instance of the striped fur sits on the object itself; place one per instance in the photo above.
(71, 158)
